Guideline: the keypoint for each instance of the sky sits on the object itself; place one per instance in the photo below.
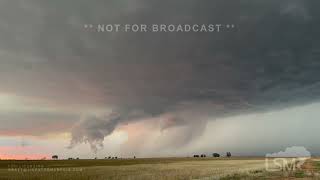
(71, 91)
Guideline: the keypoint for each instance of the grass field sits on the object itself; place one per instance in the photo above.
(151, 169)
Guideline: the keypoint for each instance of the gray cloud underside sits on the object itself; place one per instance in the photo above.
(35, 123)
(270, 61)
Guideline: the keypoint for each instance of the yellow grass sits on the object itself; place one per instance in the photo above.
(137, 169)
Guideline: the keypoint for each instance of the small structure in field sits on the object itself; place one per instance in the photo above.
(228, 154)
(55, 157)
(216, 155)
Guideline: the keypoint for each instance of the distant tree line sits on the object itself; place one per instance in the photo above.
(216, 155)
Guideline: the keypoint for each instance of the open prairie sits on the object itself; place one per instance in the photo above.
(152, 168)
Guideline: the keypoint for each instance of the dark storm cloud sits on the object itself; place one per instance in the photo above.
(270, 60)
(93, 129)
(35, 123)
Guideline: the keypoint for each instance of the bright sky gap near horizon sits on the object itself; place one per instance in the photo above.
(66, 89)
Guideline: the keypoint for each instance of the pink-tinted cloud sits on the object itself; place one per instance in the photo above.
(23, 152)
